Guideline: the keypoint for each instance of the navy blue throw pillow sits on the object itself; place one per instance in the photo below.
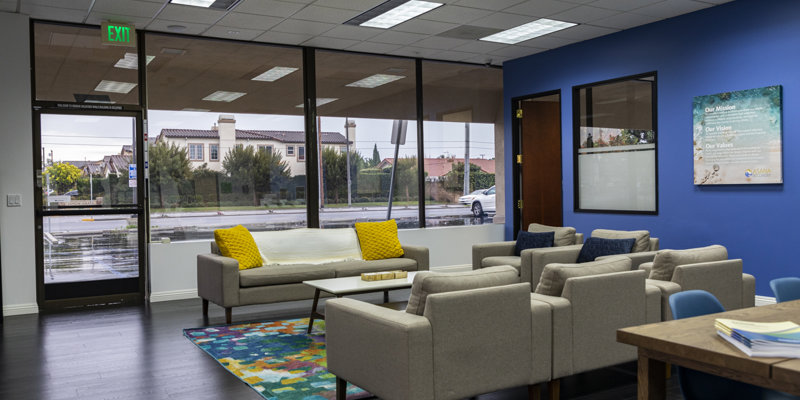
(597, 247)
(533, 240)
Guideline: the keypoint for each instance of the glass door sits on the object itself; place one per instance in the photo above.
(90, 220)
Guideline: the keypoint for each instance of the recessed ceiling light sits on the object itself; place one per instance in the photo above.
(400, 14)
(537, 28)
(221, 95)
(274, 73)
(173, 52)
(176, 28)
(321, 101)
(131, 61)
(114, 87)
(196, 3)
(375, 81)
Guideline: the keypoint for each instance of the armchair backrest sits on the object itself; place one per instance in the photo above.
(482, 340)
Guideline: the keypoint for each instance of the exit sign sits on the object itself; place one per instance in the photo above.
(118, 34)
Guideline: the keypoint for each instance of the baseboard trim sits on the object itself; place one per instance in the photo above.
(173, 295)
(20, 309)
(764, 300)
(452, 268)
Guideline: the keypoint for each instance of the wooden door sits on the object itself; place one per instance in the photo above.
(540, 144)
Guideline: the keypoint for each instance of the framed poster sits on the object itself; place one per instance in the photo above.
(737, 137)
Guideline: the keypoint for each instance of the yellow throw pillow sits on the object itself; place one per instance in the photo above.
(238, 243)
(379, 240)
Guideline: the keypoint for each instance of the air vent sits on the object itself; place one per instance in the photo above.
(469, 32)
(92, 98)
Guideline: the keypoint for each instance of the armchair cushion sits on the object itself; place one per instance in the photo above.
(555, 275)
(665, 261)
(533, 240)
(598, 247)
(494, 261)
(563, 235)
(426, 283)
(642, 237)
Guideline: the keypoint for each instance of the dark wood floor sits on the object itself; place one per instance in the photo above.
(139, 352)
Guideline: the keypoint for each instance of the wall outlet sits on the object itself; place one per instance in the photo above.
(14, 200)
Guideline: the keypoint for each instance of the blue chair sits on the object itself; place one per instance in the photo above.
(785, 289)
(700, 385)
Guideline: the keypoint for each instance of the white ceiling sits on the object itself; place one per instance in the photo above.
(318, 23)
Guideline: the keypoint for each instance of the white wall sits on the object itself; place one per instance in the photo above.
(16, 163)
(173, 265)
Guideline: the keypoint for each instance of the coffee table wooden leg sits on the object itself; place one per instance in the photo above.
(313, 311)
(651, 372)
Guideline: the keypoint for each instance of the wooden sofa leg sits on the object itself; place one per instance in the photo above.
(534, 392)
(228, 314)
(205, 307)
(341, 389)
(554, 389)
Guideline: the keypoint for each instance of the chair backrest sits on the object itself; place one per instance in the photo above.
(785, 289)
(692, 303)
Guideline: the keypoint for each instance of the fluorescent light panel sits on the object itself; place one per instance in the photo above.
(114, 87)
(274, 73)
(196, 3)
(401, 13)
(321, 101)
(375, 81)
(537, 28)
(131, 61)
(221, 95)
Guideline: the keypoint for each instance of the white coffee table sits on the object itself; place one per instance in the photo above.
(353, 285)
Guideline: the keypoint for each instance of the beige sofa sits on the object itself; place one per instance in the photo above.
(220, 281)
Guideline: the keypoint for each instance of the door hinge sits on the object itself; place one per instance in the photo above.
(519, 204)
(519, 113)
(519, 158)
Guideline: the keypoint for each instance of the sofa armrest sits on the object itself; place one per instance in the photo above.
(637, 259)
(218, 279)
(647, 267)
(748, 291)
(420, 254)
(667, 289)
(532, 261)
(483, 250)
(561, 333)
(389, 353)
(578, 238)
(723, 279)
(654, 244)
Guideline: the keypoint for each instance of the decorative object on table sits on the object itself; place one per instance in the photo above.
(238, 243)
(277, 359)
(379, 276)
(379, 240)
(761, 339)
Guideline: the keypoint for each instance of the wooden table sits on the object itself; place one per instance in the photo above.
(694, 343)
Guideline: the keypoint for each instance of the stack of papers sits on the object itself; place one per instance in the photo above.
(761, 339)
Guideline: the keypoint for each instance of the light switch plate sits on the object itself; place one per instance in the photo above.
(14, 200)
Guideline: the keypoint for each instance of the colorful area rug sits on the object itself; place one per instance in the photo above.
(277, 359)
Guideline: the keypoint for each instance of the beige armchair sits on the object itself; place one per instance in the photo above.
(472, 340)
(502, 253)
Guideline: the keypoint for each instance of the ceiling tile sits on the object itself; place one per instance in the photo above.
(393, 37)
(424, 27)
(480, 47)
(584, 14)
(442, 43)
(624, 21)
(97, 18)
(495, 5)
(301, 1)
(191, 29)
(669, 9)
(196, 15)
(623, 5)
(71, 4)
(359, 5)
(8, 5)
(502, 20)
(410, 51)
(233, 33)
(516, 51)
(325, 14)
(547, 42)
(283, 37)
(716, 1)
(249, 21)
(127, 7)
(453, 55)
(303, 27)
(584, 32)
(268, 7)
(539, 8)
(372, 47)
(329, 43)
(353, 32)
(487, 59)
(455, 14)
(53, 13)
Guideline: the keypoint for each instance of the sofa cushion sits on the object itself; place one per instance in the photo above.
(563, 235)
(642, 238)
(533, 240)
(666, 260)
(379, 240)
(598, 247)
(283, 274)
(352, 268)
(237, 243)
(426, 283)
(494, 261)
(555, 275)
(308, 246)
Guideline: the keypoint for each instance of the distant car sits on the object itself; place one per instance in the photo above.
(483, 202)
(467, 198)
(72, 193)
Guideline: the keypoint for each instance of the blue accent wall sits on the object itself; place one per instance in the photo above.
(738, 45)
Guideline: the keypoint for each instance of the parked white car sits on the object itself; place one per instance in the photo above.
(483, 202)
(467, 198)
